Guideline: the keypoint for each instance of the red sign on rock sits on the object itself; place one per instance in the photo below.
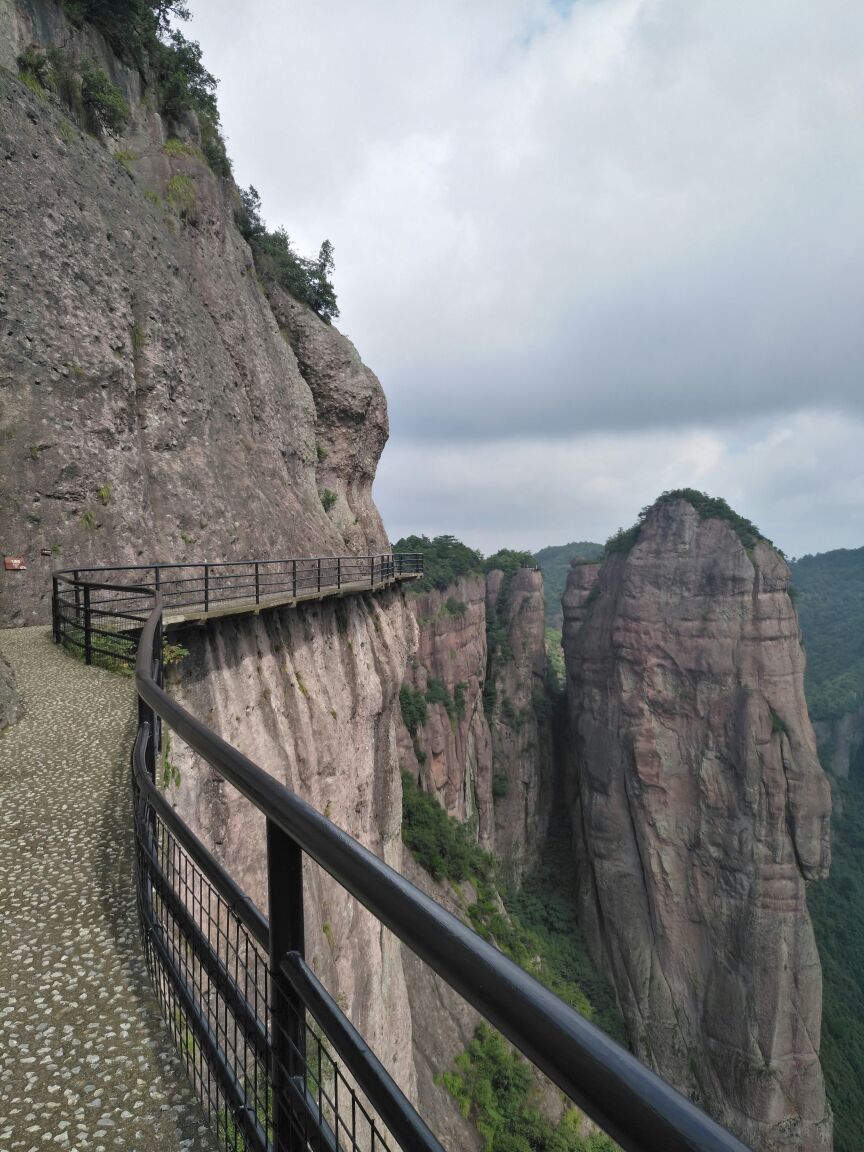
(14, 563)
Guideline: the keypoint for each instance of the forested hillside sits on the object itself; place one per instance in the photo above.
(555, 562)
(830, 597)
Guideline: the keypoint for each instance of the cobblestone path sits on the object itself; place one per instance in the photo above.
(86, 1062)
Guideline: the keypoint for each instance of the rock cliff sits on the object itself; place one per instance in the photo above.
(451, 754)
(153, 402)
(700, 812)
(312, 695)
(519, 717)
(485, 747)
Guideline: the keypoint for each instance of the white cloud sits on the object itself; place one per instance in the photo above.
(800, 479)
(613, 216)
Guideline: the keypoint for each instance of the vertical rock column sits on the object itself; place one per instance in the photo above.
(700, 812)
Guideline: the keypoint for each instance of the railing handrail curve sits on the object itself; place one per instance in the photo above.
(634, 1105)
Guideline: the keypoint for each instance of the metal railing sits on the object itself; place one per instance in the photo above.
(276, 1063)
(100, 611)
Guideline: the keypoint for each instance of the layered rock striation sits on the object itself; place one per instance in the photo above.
(485, 748)
(519, 713)
(451, 752)
(700, 813)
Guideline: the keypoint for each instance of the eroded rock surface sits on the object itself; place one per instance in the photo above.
(700, 813)
(150, 406)
(519, 718)
(311, 694)
(455, 761)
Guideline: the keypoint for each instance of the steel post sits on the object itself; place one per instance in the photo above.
(287, 1013)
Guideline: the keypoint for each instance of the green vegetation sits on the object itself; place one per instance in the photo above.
(103, 100)
(104, 494)
(125, 160)
(495, 1087)
(556, 671)
(708, 508)
(554, 563)
(535, 926)
(175, 147)
(412, 704)
(837, 908)
(328, 498)
(508, 560)
(320, 451)
(82, 86)
(278, 265)
(114, 653)
(445, 560)
(181, 195)
(830, 605)
(440, 844)
(454, 607)
(437, 692)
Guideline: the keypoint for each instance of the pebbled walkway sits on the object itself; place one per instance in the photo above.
(86, 1062)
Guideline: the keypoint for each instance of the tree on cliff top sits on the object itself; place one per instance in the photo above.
(708, 508)
(277, 263)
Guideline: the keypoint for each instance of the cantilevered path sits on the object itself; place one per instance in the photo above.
(86, 1061)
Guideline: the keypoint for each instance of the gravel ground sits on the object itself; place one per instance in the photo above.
(86, 1061)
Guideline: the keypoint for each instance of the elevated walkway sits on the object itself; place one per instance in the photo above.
(85, 1061)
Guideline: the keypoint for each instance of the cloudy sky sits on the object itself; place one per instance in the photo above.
(593, 250)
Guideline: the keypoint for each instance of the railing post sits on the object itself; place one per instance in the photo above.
(75, 577)
(294, 578)
(287, 1014)
(257, 586)
(88, 633)
(372, 572)
(157, 577)
(338, 571)
(319, 573)
(206, 587)
(55, 608)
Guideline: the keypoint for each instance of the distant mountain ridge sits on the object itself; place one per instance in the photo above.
(554, 562)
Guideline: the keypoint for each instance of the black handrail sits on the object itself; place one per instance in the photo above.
(95, 611)
(637, 1108)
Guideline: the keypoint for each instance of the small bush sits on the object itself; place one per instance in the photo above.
(103, 101)
(182, 196)
(437, 692)
(104, 494)
(441, 845)
(454, 607)
(412, 704)
(175, 147)
(500, 786)
(328, 498)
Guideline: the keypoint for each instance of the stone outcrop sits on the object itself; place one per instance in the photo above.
(153, 404)
(700, 812)
(11, 706)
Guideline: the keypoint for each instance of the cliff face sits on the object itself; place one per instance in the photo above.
(700, 812)
(311, 694)
(153, 405)
(519, 718)
(485, 747)
(454, 745)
